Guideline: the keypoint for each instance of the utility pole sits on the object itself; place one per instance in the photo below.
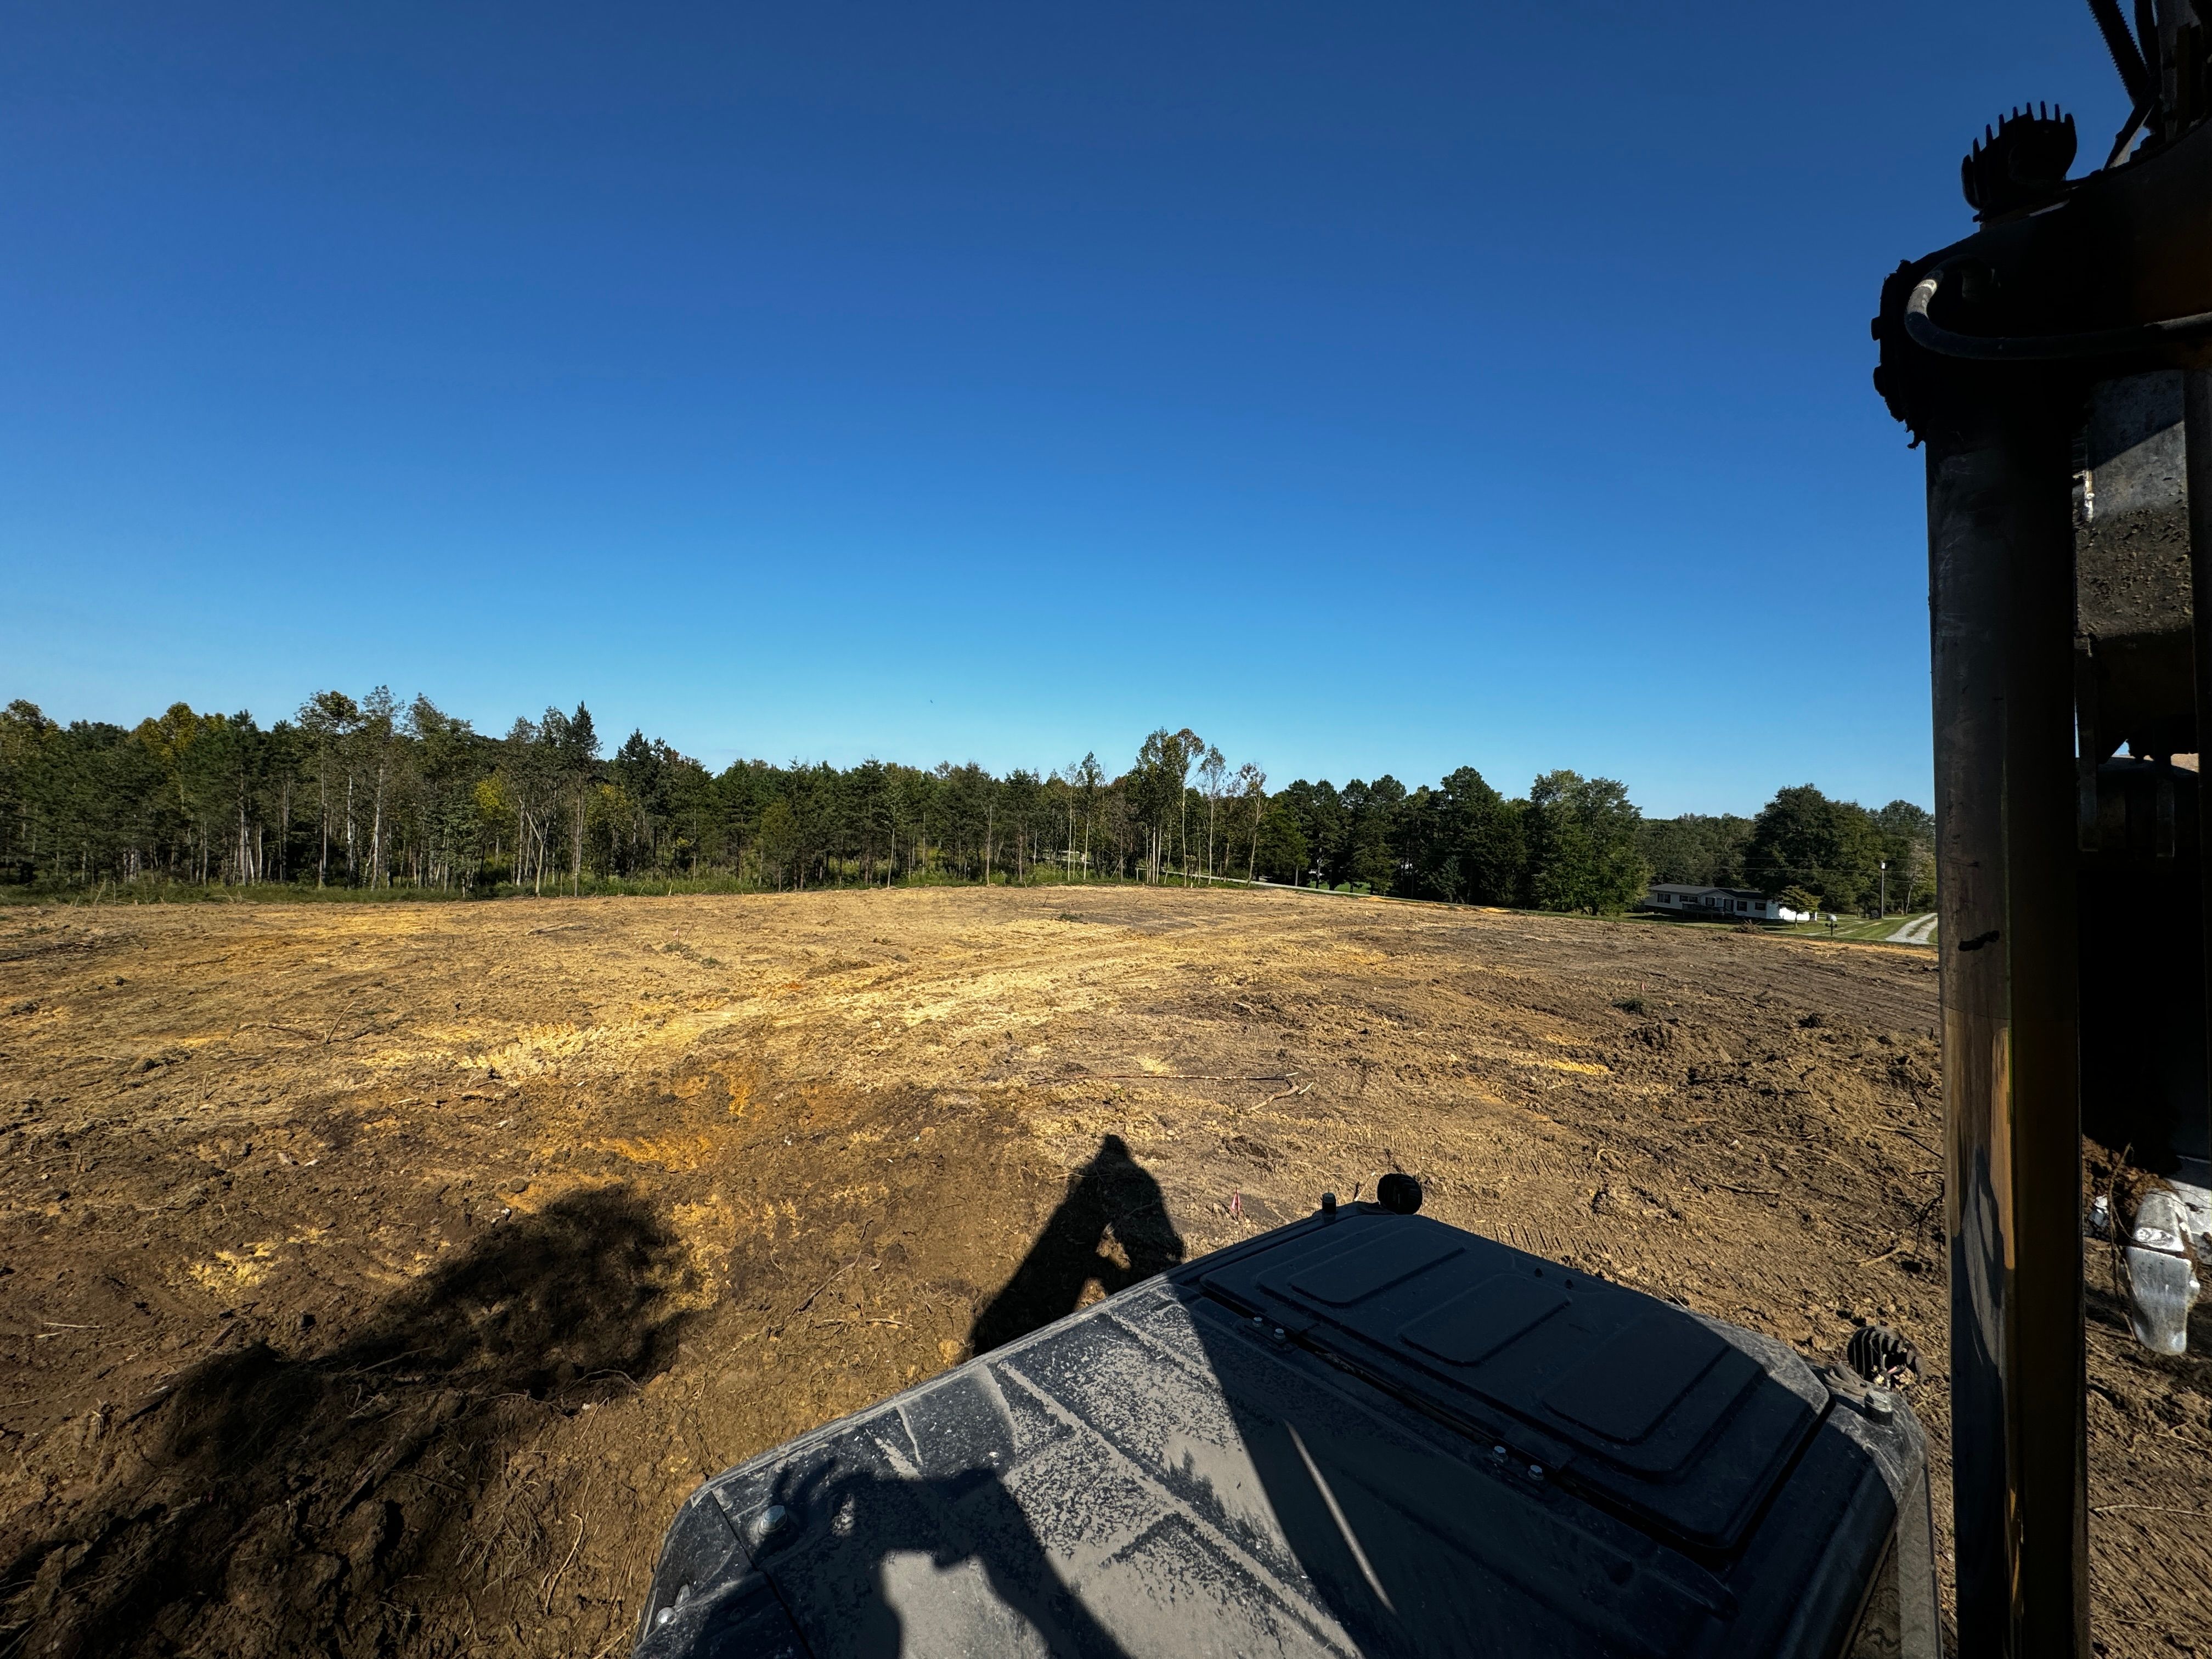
(1881, 908)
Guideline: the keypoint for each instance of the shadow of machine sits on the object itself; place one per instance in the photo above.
(2057, 365)
(280, 1496)
(1362, 1432)
(1113, 1209)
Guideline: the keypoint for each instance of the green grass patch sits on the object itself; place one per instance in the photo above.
(1860, 930)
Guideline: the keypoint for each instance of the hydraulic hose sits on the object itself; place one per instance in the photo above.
(2038, 347)
(2135, 74)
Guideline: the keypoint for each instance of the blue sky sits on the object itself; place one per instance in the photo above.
(1378, 389)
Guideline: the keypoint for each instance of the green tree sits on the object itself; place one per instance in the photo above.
(572, 748)
(1191, 749)
(1158, 783)
(27, 738)
(1280, 847)
(1462, 841)
(967, 797)
(777, 841)
(1908, 841)
(1252, 792)
(1802, 838)
(872, 811)
(1213, 769)
(1697, 849)
(643, 771)
(1324, 827)
(1019, 799)
(443, 760)
(1581, 842)
(1372, 814)
(328, 721)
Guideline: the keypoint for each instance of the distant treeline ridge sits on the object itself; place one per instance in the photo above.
(369, 796)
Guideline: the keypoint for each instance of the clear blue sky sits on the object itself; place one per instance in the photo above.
(1373, 389)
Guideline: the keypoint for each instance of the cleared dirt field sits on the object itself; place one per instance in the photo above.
(378, 1278)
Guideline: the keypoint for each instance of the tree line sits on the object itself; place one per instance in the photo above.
(369, 795)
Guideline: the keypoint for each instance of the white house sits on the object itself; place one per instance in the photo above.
(1713, 903)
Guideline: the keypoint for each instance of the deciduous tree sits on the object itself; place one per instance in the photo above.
(1581, 842)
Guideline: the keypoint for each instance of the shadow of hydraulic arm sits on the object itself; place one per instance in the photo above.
(1113, 1195)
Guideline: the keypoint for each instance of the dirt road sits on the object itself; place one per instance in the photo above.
(378, 1278)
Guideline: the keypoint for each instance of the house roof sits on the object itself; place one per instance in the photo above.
(1708, 892)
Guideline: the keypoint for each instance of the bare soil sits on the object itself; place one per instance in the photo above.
(377, 1279)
